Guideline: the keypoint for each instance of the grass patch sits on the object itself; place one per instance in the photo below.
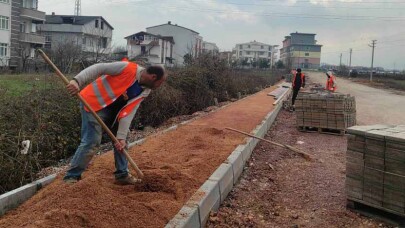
(18, 85)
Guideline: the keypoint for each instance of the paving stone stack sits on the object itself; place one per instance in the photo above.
(375, 167)
(325, 110)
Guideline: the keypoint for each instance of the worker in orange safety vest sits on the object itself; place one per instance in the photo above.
(331, 84)
(115, 92)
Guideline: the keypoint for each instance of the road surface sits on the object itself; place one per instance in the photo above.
(374, 106)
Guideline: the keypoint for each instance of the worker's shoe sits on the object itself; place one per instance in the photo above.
(127, 180)
(71, 180)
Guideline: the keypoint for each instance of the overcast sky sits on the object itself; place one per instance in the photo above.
(339, 24)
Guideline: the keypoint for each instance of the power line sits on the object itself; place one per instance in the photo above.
(287, 15)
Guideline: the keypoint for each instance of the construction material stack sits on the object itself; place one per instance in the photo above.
(375, 167)
(326, 112)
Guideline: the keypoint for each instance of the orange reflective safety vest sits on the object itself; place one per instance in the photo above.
(331, 84)
(302, 79)
(106, 89)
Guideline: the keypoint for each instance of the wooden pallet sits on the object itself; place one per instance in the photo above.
(385, 215)
(321, 130)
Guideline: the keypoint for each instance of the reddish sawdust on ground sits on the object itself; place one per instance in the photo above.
(297, 193)
(175, 165)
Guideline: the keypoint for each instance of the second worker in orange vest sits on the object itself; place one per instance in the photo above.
(331, 82)
(114, 91)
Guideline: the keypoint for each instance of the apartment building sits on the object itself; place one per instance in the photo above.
(209, 47)
(92, 33)
(300, 50)
(186, 41)
(253, 51)
(18, 31)
(150, 48)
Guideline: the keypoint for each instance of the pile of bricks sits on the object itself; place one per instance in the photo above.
(325, 111)
(375, 167)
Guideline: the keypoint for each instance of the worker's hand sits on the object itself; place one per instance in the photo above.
(73, 88)
(120, 145)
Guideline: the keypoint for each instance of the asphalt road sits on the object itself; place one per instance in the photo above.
(374, 105)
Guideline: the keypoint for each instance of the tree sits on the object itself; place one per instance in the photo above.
(280, 64)
(264, 63)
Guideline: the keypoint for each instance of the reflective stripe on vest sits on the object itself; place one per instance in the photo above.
(126, 110)
(106, 89)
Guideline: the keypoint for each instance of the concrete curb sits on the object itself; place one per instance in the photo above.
(12, 199)
(220, 183)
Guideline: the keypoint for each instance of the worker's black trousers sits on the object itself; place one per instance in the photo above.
(295, 94)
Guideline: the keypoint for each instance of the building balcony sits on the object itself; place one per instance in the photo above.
(35, 15)
(32, 38)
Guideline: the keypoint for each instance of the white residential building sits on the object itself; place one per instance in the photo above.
(5, 32)
(150, 48)
(210, 47)
(92, 33)
(186, 40)
(253, 51)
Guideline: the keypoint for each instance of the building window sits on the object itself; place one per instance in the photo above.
(240, 52)
(248, 53)
(248, 46)
(241, 46)
(5, 1)
(261, 52)
(4, 22)
(22, 27)
(269, 48)
(261, 47)
(104, 42)
(3, 49)
(306, 54)
(84, 40)
(96, 24)
(102, 25)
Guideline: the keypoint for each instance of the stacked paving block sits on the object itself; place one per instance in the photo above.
(375, 167)
(325, 111)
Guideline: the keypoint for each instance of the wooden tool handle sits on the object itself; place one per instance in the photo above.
(305, 155)
(99, 120)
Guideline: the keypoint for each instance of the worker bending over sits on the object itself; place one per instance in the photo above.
(114, 91)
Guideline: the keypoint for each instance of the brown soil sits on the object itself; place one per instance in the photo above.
(297, 193)
(175, 165)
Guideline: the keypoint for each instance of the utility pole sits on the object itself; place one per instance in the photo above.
(78, 8)
(372, 58)
(350, 61)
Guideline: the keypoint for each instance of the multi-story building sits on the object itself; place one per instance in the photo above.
(150, 48)
(300, 50)
(254, 51)
(187, 41)
(209, 47)
(92, 33)
(5, 32)
(18, 31)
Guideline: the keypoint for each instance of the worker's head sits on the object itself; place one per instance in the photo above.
(299, 70)
(153, 77)
(329, 73)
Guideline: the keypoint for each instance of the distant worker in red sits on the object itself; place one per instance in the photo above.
(331, 84)
(298, 82)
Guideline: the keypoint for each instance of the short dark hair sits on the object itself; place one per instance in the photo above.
(157, 70)
(299, 70)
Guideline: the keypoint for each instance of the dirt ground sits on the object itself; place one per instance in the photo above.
(297, 193)
(175, 165)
